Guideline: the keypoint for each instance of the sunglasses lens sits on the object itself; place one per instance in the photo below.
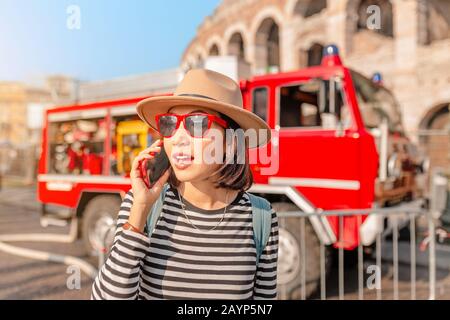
(197, 125)
(167, 125)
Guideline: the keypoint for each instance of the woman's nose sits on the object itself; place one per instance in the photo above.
(181, 136)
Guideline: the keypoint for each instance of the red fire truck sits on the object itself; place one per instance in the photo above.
(339, 138)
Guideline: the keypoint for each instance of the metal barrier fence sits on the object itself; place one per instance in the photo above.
(389, 250)
(19, 162)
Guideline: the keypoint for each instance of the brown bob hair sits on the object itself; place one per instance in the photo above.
(232, 174)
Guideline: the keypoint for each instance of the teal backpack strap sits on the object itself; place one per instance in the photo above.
(262, 223)
(155, 212)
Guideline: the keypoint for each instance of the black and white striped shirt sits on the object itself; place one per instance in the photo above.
(180, 261)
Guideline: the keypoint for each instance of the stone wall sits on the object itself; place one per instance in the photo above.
(414, 60)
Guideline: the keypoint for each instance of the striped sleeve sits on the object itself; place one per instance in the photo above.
(119, 277)
(266, 272)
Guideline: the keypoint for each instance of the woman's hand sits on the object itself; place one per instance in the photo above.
(144, 198)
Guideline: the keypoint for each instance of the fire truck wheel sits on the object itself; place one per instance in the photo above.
(291, 268)
(99, 223)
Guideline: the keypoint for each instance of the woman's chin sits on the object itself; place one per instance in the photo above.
(192, 174)
(185, 175)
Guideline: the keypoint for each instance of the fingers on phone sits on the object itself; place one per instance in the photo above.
(163, 179)
(151, 150)
(141, 163)
(138, 161)
(158, 143)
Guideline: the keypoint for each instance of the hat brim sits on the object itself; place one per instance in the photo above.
(148, 108)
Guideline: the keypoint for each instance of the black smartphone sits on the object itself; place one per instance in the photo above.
(153, 169)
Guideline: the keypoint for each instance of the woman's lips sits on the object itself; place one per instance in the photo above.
(182, 160)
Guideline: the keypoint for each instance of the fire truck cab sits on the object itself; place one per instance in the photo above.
(337, 143)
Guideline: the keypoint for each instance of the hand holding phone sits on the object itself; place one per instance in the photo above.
(140, 178)
(153, 169)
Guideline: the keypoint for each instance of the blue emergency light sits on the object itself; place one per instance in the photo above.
(331, 50)
(377, 78)
(330, 56)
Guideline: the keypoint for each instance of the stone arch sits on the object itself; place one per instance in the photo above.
(266, 29)
(201, 52)
(258, 50)
(304, 8)
(267, 47)
(214, 50)
(303, 49)
(428, 120)
(434, 20)
(267, 12)
(437, 143)
(314, 54)
(308, 8)
(310, 54)
(215, 46)
(194, 56)
(199, 61)
(200, 56)
(234, 44)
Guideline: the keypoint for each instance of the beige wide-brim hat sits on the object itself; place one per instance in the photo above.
(211, 90)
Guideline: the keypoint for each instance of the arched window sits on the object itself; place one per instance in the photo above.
(315, 54)
(199, 61)
(236, 46)
(267, 49)
(214, 50)
(437, 143)
(311, 56)
(434, 16)
(307, 8)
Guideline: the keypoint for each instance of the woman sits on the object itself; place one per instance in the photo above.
(202, 245)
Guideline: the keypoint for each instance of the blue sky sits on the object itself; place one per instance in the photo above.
(116, 38)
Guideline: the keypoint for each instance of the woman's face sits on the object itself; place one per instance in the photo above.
(186, 154)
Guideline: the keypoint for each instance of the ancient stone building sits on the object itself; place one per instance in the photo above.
(21, 116)
(409, 45)
(13, 126)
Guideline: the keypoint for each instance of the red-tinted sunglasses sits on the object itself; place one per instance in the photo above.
(195, 123)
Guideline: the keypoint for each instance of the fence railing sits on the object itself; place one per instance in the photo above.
(400, 258)
(19, 162)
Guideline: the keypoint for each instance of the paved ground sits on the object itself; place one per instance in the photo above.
(22, 278)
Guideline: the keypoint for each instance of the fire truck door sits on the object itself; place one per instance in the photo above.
(319, 154)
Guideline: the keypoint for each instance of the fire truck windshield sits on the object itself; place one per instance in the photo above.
(376, 103)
